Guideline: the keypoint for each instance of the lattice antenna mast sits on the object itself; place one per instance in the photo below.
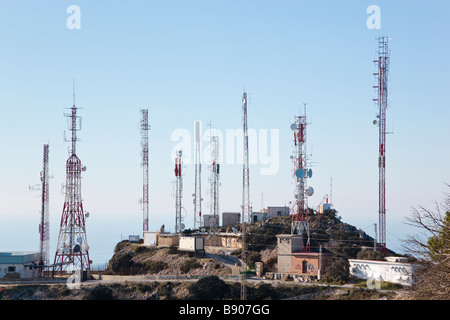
(178, 193)
(215, 183)
(381, 100)
(144, 154)
(300, 218)
(72, 247)
(246, 210)
(44, 227)
(198, 178)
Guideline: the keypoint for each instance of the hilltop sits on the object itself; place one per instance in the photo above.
(343, 240)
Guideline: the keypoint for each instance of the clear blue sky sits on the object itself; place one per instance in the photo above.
(190, 60)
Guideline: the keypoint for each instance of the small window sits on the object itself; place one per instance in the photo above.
(11, 269)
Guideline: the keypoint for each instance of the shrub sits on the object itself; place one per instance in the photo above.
(154, 266)
(337, 272)
(190, 264)
(100, 292)
(209, 288)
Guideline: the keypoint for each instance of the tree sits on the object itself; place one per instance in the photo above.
(338, 271)
(431, 248)
(209, 288)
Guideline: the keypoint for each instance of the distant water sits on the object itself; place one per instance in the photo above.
(103, 233)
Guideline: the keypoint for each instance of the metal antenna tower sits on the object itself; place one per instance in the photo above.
(214, 180)
(144, 153)
(44, 227)
(381, 100)
(246, 211)
(178, 193)
(72, 245)
(198, 178)
(300, 218)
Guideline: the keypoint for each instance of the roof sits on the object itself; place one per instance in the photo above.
(18, 257)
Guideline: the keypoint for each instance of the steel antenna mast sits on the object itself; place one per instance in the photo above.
(144, 153)
(72, 247)
(300, 217)
(246, 210)
(178, 192)
(381, 100)
(44, 227)
(198, 178)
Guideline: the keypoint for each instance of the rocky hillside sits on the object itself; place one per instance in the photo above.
(130, 258)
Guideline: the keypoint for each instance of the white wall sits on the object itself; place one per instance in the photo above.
(396, 272)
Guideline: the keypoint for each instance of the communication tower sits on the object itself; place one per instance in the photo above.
(198, 178)
(300, 218)
(214, 180)
(381, 101)
(72, 247)
(179, 227)
(144, 153)
(246, 210)
(44, 227)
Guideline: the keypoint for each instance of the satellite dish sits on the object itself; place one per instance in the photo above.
(87, 214)
(309, 191)
(182, 226)
(79, 239)
(84, 168)
(293, 126)
(66, 250)
(292, 157)
(375, 122)
(300, 173)
(76, 248)
(309, 173)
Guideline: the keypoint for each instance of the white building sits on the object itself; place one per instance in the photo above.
(18, 265)
(395, 270)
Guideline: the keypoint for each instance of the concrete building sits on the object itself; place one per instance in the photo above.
(394, 269)
(210, 221)
(277, 211)
(230, 218)
(291, 260)
(14, 265)
(324, 207)
(269, 213)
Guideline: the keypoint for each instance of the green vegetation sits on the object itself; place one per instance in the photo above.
(190, 264)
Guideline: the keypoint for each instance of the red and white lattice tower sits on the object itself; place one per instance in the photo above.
(300, 218)
(198, 178)
(381, 100)
(72, 248)
(178, 193)
(144, 153)
(44, 226)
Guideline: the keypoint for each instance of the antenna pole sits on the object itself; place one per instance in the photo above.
(382, 63)
(198, 178)
(72, 245)
(178, 192)
(300, 218)
(44, 227)
(144, 153)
